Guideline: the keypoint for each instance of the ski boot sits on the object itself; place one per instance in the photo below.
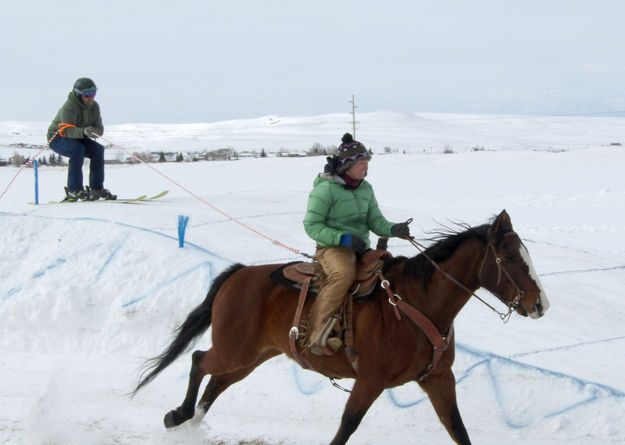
(76, 195)
(105, 194)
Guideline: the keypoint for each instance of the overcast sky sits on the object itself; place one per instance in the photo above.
(206, 61)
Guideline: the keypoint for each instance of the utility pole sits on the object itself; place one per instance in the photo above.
(353, 102)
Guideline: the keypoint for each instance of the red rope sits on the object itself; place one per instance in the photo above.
(199, 198)
(203, 201)
(27, 163)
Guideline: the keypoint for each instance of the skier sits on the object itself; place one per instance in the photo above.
(72, 133)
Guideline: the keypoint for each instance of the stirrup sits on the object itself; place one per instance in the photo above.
(320, 350)
(332, 345)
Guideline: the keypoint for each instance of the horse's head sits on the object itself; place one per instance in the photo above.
(508, 273)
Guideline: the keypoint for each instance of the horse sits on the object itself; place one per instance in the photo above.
(251, 316)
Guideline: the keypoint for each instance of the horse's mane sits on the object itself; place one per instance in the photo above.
(445, 242)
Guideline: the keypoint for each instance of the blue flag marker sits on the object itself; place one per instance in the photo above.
(182, 226)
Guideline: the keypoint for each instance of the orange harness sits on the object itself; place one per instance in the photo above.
(63, 126)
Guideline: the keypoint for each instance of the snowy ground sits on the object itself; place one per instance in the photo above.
(89, 290)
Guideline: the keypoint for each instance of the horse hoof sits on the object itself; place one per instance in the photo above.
(170, 420)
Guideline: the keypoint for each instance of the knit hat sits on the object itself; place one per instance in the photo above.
(350, 152)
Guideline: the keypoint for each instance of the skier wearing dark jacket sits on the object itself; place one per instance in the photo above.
(72, 133)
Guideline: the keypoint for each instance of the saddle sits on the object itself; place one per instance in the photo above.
(308, 277)
(372, 260)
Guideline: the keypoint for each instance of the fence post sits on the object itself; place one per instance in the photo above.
(36, 165)
(182, 226)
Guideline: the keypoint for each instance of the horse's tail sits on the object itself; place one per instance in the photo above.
(197, 322)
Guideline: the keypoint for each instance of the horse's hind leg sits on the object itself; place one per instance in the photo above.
(441, 389)
(186, 410)
(203, 363)
(219, 383)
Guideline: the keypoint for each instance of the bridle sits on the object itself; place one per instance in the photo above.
(516, 301)
(441, 342)
(490, 248)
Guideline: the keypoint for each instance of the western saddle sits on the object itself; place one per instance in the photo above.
(308, 277)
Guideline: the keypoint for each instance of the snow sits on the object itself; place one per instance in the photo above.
(88, 291)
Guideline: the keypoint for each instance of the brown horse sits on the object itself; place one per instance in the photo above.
(251, 318)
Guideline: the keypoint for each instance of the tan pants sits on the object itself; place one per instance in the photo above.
(339, 265)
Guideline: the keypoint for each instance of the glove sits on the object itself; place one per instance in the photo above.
(91, 132)
(401, 230)
(354, 243)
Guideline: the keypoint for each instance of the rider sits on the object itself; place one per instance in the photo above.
(342, 209)
(72, 133)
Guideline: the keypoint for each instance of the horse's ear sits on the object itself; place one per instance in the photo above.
(502, 224)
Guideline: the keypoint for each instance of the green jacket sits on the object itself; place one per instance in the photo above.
(75, 111)
(334, 210)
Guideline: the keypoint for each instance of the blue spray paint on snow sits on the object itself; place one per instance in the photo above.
(56, 263)
(115, 250)
(10, 293)
(571, 346)
(168, 282)
(486, 362)
(38, 274)
(578, 271)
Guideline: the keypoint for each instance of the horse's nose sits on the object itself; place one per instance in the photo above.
(538, 310)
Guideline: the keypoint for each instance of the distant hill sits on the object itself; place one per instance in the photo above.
(380, 131)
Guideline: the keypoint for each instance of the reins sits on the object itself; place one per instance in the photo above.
(441, 342)
(512, 306)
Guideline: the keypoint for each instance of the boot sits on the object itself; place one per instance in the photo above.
(94, 194)
(76, 195)
(320, 342)
(334, 343)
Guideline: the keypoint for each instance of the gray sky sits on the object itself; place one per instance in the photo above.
(205, 61)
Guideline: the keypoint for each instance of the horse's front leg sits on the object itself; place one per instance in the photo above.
(363, 394)
(185, 411)
(440, 387)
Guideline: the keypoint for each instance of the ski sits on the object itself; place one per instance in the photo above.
(137, 200)
(141, 198)
(160, 195)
